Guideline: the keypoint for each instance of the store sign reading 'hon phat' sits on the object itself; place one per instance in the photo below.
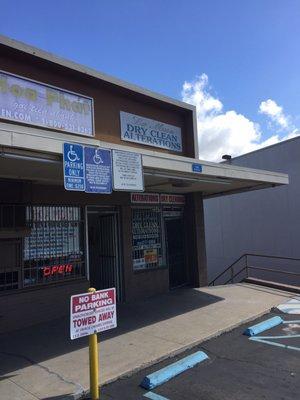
(135, 128)
(33, 103)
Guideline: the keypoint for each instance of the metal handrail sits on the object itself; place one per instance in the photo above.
(247, 267)
(234, 276)
(227, 269)
(269, 256)
(279, 271)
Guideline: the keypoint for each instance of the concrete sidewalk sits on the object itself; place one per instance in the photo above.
(41, 362)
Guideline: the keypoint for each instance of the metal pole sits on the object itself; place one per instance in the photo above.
(94, 367)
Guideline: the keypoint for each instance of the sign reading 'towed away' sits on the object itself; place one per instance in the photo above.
(92, 313)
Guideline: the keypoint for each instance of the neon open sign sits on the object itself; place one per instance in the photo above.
(57, 269)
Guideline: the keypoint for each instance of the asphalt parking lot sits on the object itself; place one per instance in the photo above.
(237, 368)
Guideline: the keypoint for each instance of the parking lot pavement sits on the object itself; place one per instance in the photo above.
(237, 368)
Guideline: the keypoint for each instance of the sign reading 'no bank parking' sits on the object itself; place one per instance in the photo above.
(92, 313)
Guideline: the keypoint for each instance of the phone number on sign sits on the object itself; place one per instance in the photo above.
(65, 126)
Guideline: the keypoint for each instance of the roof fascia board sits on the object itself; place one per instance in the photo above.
(267, 148)
(36, 52)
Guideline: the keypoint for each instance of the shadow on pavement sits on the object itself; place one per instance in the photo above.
(237, 368)
(39, 343)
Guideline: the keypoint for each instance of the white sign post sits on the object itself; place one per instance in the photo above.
(127, 171)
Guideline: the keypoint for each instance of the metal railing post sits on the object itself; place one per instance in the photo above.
(248, 267)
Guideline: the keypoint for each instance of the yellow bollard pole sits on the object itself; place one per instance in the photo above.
(94, 367)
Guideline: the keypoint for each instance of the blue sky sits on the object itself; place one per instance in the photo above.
(248, 51)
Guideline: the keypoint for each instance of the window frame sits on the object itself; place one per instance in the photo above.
(162, 239)
(82, 248)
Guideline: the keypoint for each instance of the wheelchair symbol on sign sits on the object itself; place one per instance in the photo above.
(72, 155)
(97, 158)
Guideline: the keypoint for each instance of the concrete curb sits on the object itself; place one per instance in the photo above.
(170, 371)
(263, 326)
(184, 348)
(129, 373)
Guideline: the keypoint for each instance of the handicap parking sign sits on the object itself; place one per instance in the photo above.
(98, 175)
(73, 167)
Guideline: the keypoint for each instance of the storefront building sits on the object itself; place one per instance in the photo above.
(133, 221)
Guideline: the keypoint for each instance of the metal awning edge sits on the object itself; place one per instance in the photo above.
(39, 140)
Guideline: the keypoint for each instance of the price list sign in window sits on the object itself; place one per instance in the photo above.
(146, 238)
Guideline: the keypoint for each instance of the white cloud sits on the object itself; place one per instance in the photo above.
(275, 112)
(222, 132)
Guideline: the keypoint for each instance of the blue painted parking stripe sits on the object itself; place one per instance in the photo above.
(296, 321)
(275, 337)
(258, 339)
(172, 370)
(154, 396)
(292, 306)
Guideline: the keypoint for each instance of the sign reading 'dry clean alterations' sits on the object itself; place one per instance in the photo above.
(127, 171)
(92, 313)
(135, 128)
(33, 103)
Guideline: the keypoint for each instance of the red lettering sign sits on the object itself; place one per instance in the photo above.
(145, 198)
(57, 269)
(92, 312)
(172, 199)
(93, 300)
(155, 198)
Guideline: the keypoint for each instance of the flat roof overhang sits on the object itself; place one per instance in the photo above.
(35, 154)
(84, 70)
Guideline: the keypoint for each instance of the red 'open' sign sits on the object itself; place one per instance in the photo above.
(57, 269)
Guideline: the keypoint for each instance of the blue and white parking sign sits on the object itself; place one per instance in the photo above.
(196, 167)
(74, 167)
(98, 174)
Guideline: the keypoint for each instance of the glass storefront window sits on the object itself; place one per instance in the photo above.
(146, 238)
(54, 249)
